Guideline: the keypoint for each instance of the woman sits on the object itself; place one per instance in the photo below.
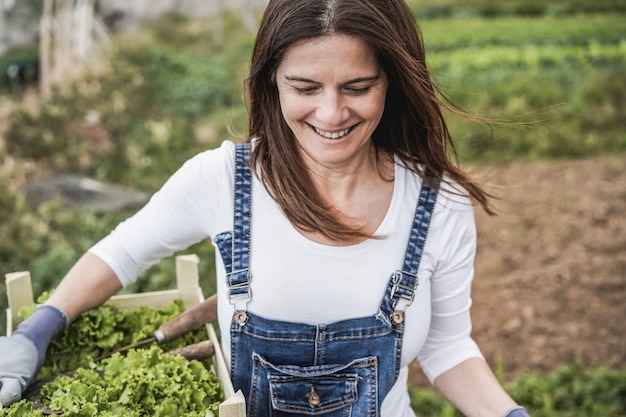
(345, 235)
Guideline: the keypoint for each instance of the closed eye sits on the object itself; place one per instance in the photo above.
(305, 90)
(353, 91)
(357, 91)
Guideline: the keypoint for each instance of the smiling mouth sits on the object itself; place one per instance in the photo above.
(333, 135)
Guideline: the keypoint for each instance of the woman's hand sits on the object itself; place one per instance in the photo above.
(23, 353)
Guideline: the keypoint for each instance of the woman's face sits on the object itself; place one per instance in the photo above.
(332, 96)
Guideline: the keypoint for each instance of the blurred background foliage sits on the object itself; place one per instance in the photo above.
(550, 76)
(572, 390)
(161, 97)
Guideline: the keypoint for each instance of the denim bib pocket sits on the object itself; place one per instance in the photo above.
(325, 390)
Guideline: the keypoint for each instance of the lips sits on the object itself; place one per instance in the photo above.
(333, 135)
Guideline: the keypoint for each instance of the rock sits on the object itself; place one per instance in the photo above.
(83, 193)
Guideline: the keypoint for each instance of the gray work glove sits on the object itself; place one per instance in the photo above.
(23, 353)
(517, 412)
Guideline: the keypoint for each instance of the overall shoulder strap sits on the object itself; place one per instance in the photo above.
(404, 282)
(238, 279)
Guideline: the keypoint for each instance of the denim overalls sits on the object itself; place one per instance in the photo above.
(344, 368)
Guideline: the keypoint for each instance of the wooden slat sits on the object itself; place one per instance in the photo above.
(235, 406)
(220, 366)
(19, 294)
(157, 299)
(187, 278)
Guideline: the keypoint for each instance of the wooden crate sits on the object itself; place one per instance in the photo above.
(20, 294)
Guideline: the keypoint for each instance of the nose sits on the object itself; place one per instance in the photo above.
(332, 109)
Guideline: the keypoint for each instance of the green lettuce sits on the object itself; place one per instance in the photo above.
(136, 383)
(144, 382)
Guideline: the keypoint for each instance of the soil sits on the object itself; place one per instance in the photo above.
(550, 275)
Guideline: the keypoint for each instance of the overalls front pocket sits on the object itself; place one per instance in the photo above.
(327, 390)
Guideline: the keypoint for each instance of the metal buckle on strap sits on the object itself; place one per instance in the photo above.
(238, 272)
(395, 293)
(239, 292)
(399, 290)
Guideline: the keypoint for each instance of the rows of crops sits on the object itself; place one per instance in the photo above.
(548, 83)
(529, 56)
(479, 44)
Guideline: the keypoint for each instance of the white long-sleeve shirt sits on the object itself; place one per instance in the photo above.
(296, 279)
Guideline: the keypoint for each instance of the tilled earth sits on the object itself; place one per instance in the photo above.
(551, 266)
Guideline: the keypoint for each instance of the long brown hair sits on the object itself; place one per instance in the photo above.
(412, 126)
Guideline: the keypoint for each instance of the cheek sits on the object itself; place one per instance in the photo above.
(292, 108)
(374, 109)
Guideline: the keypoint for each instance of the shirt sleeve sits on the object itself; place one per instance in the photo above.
(449, 340)
(187, 209)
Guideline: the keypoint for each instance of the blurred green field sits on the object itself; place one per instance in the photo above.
(550, 79)
(548, 83)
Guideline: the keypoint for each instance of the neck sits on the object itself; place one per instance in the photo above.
(361, 195)
(336, 183)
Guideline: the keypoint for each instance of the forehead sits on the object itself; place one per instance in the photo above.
(334, 52)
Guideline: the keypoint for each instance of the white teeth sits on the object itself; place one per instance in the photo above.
(332, 135)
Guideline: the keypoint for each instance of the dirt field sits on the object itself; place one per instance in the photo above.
(551, 267)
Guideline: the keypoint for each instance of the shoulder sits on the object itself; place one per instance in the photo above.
(453, 213)
(208, 173)
(220, 156)
(212, 166)
(451, 196)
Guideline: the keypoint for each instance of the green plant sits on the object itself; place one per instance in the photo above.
(138, 383)
(444, 9)
(572, 390)
(548, 93)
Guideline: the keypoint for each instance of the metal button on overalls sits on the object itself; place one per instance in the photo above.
(313, 398)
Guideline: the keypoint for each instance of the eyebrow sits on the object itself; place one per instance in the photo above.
(356, 80)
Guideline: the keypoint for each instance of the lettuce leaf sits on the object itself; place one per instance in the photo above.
(144, 382)
(136, 383)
